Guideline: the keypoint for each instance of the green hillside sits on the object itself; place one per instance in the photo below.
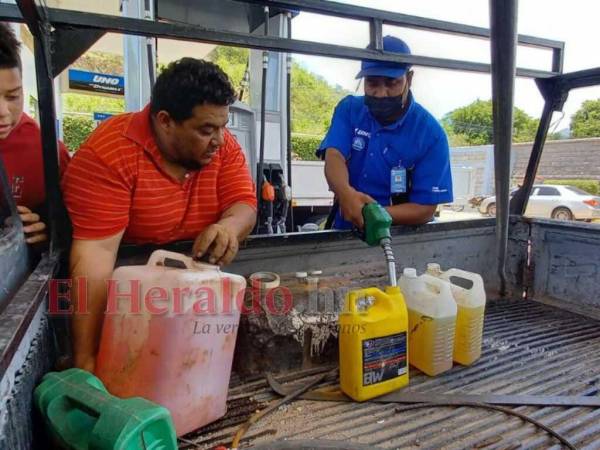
(313, 99)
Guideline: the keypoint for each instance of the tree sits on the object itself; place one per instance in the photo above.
(102, 62)
(313, 99)
(556, 136)
(473, 124)
(586, 121)
(233, 61)
(458, 140)
(76, 130)
(83, 103)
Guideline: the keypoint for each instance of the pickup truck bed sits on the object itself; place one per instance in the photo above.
(529, 348)
(543, 338)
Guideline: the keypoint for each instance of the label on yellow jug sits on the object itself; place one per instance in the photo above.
(383, 358)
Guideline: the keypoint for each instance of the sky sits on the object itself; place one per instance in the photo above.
(575, 22)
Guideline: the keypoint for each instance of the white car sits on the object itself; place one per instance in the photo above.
(555, 202)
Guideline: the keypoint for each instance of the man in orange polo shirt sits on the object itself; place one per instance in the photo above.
(170, 172)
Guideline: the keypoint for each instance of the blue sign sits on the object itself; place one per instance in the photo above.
(100, 83)
(101, 116)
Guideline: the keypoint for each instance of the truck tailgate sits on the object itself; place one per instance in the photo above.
(529, 348)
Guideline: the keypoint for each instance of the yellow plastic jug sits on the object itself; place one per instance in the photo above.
(431, 321)
(373, 343)
(471, 311)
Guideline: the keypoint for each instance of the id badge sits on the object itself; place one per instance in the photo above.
(398, 180)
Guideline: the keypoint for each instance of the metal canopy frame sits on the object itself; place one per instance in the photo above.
(555, 91)
(342, 10)
(503, 25)
(60, 36)
(40, 28)
(126, 25)
(69, 44)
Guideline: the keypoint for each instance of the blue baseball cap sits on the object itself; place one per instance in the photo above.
(370, 68)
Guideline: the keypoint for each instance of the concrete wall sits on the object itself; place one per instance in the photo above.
(567, 159)
(481, 160)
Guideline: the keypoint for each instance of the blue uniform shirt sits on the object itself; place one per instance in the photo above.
(416, 141)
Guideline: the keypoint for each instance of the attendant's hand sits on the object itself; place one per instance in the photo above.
(218, 242)
(34, 228)
(351, 205)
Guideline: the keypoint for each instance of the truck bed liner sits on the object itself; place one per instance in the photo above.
(529, 348)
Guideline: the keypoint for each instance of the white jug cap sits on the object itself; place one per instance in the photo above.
(268, 280)
(410, 272)
(301, 274)
(312, 280)
(433, 266)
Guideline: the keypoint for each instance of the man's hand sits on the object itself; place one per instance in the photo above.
(217, 241)
(34, 228)
(351, 205)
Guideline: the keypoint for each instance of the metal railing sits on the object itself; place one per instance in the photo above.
(61, 36)
(376, 18)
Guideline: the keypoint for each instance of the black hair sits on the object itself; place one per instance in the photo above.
(187, 83)
(9, 48)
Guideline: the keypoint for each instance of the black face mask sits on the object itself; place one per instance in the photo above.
(386, 110)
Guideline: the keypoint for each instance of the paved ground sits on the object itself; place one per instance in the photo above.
(448, 215)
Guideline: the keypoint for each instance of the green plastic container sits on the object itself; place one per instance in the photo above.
(80, 414)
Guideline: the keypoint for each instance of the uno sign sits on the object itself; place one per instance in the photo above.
(103, 79)
(97, 83)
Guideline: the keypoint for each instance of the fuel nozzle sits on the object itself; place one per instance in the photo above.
(377, 232)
